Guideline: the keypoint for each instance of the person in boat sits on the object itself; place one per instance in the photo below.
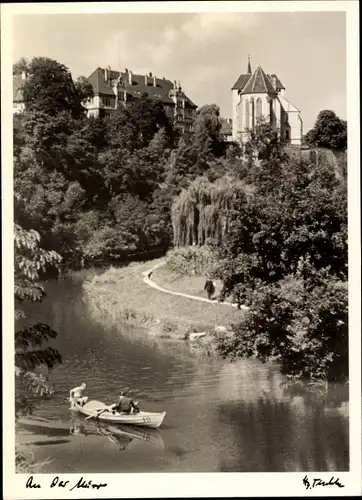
(209, 287)
(76, 395)
(125, 404)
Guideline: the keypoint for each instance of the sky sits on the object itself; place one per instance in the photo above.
(206, 52)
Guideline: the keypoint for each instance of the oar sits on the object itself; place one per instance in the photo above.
(97, 415)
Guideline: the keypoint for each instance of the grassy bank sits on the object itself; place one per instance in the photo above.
(121, 296)
(192, 285)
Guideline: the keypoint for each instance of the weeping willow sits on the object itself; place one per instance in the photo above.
(201, 211)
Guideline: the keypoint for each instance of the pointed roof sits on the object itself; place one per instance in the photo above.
(259, 83)
(241, 82)
(279, 85)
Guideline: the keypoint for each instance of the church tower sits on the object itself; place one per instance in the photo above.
(257, 95)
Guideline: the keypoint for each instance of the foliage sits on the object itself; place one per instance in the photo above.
(30, 354)
(20, 66)
(197, 155)
(50, 88)
(303, 327)
(189, 261)
(285, 256)
(71, 172)
(202, 210)
(329, 131)
(303, 220)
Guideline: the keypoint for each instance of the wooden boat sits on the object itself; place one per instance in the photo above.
(52, 428)
(100, 411)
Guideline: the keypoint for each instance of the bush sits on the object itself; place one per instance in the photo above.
(303, 326)
(192, 261)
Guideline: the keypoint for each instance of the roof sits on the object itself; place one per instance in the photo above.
(259, 83)
(18, 83)
(288, 106)
(136, 87)
(241, 82)
(96, 79)
(279, 84)
(152, 92)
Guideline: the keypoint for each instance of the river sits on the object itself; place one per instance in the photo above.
(220, 416)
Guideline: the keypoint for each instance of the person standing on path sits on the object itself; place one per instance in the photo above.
(209, 287)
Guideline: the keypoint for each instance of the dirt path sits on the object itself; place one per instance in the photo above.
(147, 279)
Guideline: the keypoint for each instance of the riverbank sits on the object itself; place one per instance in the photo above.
(121, 295)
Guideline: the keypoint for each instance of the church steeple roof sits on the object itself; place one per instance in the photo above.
(249, 72)
(259, 83)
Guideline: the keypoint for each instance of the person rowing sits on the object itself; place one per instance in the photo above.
(76, 395)
(125, 404)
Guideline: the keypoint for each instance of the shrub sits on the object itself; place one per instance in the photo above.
(192, 261)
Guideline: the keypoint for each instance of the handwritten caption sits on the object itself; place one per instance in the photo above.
(319, 482)
(58, 483)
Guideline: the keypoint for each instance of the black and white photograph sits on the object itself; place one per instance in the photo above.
(183, 282)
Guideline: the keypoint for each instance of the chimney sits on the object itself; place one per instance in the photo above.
(146, 80)
(106, 74)
(154, 81)
(130, 77)
(24, 75)
(175, 84)
(126, 70)
(150, 75)
(274, 81)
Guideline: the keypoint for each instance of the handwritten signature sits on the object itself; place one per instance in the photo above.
(320, 482)
(56, 482)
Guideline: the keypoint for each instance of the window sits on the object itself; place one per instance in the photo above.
(247, 114)
(258, 108)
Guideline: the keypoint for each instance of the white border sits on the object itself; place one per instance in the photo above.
(185, 484)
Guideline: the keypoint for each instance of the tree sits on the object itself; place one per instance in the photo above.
(285, 256)
(20, 66)
(303, 327)
(202, 211)
(30, 261)
(135, 127)
(207, 125)
(329, 131)
(51, 89)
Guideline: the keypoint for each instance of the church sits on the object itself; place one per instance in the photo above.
(257, 94)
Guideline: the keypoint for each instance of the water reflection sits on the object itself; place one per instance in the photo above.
(275, 436)
(120, 435)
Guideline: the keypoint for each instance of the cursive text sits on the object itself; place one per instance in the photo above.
(56, 482)
(319, 482)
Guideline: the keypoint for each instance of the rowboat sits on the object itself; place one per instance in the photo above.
(100, 411)
(52, 428)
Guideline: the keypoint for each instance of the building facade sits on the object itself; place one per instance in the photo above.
(18, 99)
(114, 88)
(256, 95)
